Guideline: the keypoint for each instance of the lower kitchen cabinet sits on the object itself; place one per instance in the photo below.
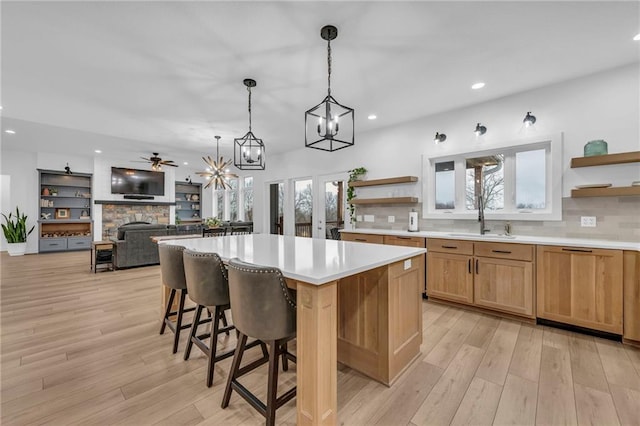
(449, 276)
(631, 295)
(581, 286)
(497, 276)
(362, 238)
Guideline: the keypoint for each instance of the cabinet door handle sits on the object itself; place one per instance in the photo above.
(501, 251)
(577, 250)
(469, 263)
(360, 239)
(403, 238)
(450, 247)
(476, 266)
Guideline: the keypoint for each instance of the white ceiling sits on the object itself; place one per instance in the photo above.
(169, 74)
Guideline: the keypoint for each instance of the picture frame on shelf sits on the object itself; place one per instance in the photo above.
(62, 213)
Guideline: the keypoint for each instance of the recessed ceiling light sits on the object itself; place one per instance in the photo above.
(637, 37)
(11, 132)
(478, 85)
(185, 163)
(372, 117)
(97, 151)
(0, 106)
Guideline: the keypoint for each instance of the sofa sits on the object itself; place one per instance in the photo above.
(133, 244)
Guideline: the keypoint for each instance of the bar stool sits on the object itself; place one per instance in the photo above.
(172, 269)
(262, 308)
(208, 286)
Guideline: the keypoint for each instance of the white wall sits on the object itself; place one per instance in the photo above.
(600, 106)
(21, 168)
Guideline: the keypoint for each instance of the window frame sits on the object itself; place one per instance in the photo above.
(553, 181)
(226, 200)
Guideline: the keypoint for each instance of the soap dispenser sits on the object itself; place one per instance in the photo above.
(413, 221)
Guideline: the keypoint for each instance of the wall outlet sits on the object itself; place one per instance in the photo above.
(369, 218)
(392, 219)
(358, 218)
(588, 221)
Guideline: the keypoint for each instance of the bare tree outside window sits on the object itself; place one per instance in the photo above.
(485, 176)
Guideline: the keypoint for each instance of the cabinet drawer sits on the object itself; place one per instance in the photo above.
(78, 243)
(53, 244)
(450, 246)
(362, 238)
(397, 240)
(504, 251)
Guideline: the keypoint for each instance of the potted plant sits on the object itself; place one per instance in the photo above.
(15, 231)
(212, 222)
(53, 191)
(354, 175)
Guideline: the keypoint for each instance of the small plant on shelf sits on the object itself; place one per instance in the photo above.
(354, 175)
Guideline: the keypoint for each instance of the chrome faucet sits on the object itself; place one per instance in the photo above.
(481, 215)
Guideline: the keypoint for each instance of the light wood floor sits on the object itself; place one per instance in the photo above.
(83, 348)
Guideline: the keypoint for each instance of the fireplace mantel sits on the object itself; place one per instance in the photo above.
(135, 203)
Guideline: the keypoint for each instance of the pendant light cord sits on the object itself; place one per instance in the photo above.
(329, 67)
(249, 89)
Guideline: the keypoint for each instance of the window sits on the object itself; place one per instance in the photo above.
(521, 182)
(219, 203)
(247, 197)
(233, 200)
(303, 207)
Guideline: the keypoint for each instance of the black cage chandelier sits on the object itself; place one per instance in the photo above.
(329, 126)
(248, 153)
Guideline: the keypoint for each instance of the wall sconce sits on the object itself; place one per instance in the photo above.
(188, 180)
(480, 130)
(439, 137)
(67, 170)
(529, 120)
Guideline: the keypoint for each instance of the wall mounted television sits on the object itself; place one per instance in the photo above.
(133, 181)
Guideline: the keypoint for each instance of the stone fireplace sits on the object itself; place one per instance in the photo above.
(114, 215)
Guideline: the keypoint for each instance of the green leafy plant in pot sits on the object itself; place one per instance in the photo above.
(15, 231)
(354, 175)
(212, 222)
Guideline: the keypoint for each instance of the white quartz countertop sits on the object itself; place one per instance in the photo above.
(524, 239)
(311, 260)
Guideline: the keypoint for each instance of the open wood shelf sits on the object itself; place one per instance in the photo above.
(387, 181)
(603, 160)
(390, 200)
(614, 191)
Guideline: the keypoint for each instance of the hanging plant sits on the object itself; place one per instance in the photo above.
(354, 175)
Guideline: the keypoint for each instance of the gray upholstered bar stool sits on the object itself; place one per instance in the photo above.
(208, 286)
(172, 269)
(263, 308)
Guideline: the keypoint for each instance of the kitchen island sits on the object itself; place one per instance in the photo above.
(358, 304)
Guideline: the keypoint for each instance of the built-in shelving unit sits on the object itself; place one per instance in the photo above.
(188, 202)
(65, 221)
(605, 160)
(385, 181)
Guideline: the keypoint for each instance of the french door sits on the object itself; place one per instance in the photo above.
(330, 206)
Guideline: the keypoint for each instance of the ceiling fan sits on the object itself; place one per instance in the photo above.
(157, 162)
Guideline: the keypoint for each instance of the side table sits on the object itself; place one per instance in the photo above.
(102, 255)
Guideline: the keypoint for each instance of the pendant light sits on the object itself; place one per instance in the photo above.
(329, 126)
(217, 172)
(248, 153)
